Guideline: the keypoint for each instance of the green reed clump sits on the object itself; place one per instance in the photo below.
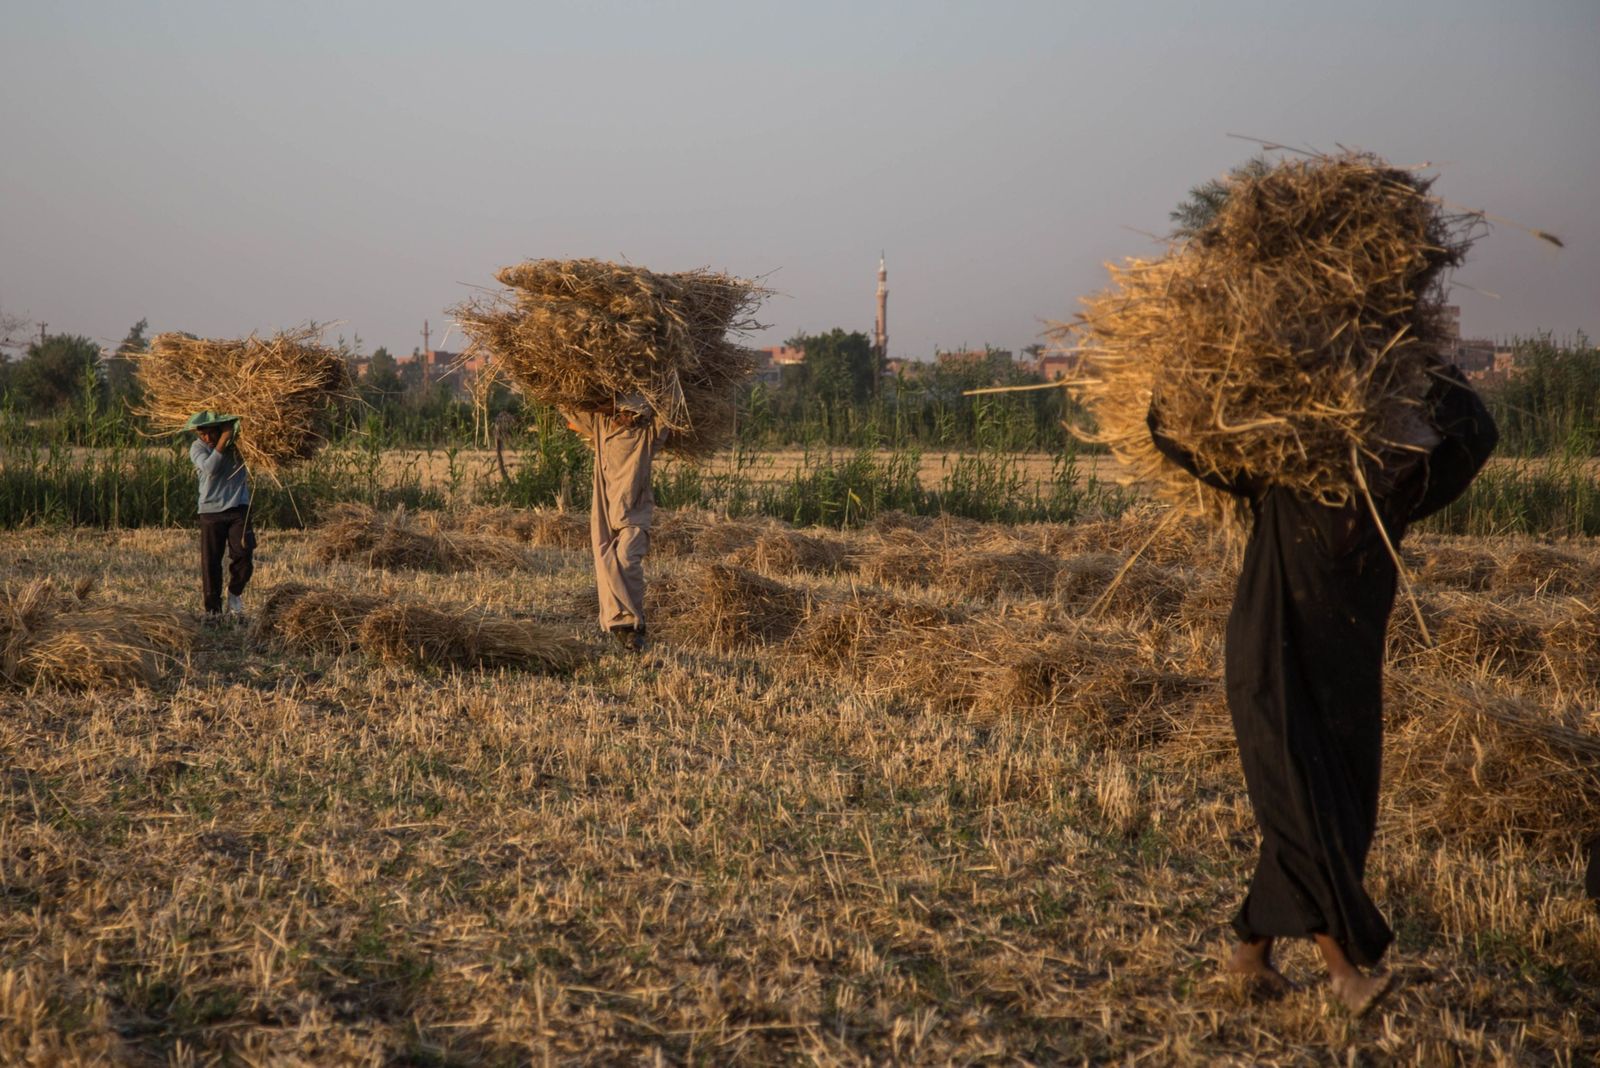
(1550, 404)
(1554, 497)
(848, 492)
(122, 487)
(115, 487)
(553, 466)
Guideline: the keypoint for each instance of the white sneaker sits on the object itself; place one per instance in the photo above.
(235, 605)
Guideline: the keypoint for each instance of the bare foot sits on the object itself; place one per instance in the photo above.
(1362, 993)
(1253, 961)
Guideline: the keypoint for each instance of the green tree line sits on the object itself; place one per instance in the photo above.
(64, 388)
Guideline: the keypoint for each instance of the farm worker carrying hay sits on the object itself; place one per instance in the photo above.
(636, 360)
(1281, 368)
(224, 511)
(1304, 666)
(625, 439)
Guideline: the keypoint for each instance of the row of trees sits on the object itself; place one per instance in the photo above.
(1551, 405)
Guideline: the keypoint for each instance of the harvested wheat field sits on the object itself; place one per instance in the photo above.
(931, 792)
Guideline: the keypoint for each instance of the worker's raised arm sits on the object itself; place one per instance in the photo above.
(1469, 435)
(207, 460)
(1241, 486)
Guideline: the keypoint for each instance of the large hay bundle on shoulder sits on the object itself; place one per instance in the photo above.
(66, 640)
(580, 334)
(1294, 332)
(287, 390)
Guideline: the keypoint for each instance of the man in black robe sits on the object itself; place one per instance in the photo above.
(1304, 674)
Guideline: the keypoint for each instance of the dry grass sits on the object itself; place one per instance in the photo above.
(581, 334)
(409, 632)
(727, 608)
(553, 528)
(822, 821)
(1292, 335)
(53, 639)
(399, 540)
(405, 630)
(287, 389)
(788, 552)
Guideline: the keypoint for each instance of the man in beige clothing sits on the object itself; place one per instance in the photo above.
(625, 439)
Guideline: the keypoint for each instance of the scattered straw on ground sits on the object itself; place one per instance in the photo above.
(920, 828)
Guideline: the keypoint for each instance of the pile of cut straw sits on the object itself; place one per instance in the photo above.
(582, 334)
(408, 631)
(287, 390)
(400, 540)
(65, 640)
(1292, 335)
(727, 608)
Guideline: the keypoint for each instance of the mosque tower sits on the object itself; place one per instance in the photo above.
(880, 333)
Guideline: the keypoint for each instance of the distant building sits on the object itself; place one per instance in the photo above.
(1053, 366)
(1475, 354)
(771, 361)
(785, 355)
(952, 357)
(439, 365)
(1501, 368)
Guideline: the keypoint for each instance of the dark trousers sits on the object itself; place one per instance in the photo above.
(230, 530)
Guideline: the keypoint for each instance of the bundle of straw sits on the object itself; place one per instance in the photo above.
(787, 552)
(1469, 763)
(423, 635)
(408, 631)
(728, 608)
(314, 620)
(399, 540)
(582, 334)
(288, 390)
(1290, 340)
(67, 641)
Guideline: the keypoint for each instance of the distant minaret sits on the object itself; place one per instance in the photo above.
(427, 354)
(880, 334)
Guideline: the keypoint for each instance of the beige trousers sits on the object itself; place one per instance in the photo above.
(620, 515)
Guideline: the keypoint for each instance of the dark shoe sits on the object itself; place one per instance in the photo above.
(629, 638)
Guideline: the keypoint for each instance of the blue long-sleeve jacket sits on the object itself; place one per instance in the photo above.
(224, 482)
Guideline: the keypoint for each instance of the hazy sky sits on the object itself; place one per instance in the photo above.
(220, 167)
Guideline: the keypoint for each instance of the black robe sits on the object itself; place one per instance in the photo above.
(1304, 674)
